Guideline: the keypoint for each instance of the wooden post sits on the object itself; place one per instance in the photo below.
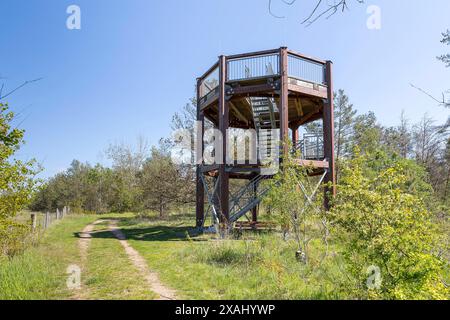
(57, 214)
(256, 208)
(284, 97)
(46, 220)
(223, 127)
(200, 189)
(328, 137)
(295, 137)
(33, 221)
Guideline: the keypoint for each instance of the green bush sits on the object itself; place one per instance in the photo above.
(381, 223)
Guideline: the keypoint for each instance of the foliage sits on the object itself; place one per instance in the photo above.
(164, 184)
(383, 224)
(445, 40)
(16, 183)
(288, 203)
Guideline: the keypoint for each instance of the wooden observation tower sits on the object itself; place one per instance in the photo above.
(275, 90)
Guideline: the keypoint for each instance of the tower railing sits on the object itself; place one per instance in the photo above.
(264, 64)
(304, 69)
(311, 147)
(209, 82)
(253, 67)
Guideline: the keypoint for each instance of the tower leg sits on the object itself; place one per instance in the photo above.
(328, 139)
(284, 96)
(199, 148)
(200, 200)
(256, 208)
(223, 128)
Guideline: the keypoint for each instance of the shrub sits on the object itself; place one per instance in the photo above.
(383, 225)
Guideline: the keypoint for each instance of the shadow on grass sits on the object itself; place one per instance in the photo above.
(149, 233)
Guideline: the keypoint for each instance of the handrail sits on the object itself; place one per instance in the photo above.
(311, 147)
(306, 57)
(253, 54)
(305, 69)
(263, 64)
(209, 82)
(251, 67)
(211, 69)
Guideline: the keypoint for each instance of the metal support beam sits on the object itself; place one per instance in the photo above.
(223, 126)
(328, 137)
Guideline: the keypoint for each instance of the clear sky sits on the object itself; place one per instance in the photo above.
(134, 63)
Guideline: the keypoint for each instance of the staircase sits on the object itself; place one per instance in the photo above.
(264, 116)
(247, 198)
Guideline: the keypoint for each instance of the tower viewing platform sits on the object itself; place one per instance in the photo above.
(269, 91)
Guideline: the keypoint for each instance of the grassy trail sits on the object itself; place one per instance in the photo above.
(257, 266)
(197, 267)
(41, 272)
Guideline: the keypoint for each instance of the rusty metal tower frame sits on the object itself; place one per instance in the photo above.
(242, 91)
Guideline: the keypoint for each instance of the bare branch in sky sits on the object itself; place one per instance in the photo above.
(317, 12)
(442, 102)
(16, 88)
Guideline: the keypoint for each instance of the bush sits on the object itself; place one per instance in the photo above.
(384, 226)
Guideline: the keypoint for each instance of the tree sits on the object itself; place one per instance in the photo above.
(367, 133)
(429, 141)
(344, 115)
(293, 210)
(445, 40)
(16, 177)
(16, 182)
(127, 162)
(162, 184)
(399, 139)
(386, 228)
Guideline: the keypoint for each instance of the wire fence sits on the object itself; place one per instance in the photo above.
(42, 221)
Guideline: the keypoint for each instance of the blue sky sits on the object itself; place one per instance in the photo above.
(134, 63)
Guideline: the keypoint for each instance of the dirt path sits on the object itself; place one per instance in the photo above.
(83, 245)
(85, 240)
(139, 262)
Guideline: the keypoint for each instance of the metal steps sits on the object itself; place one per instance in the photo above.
(248, 197)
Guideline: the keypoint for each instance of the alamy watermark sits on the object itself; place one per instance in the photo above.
(238, 146)
(73, 281)
(374, 19)
(73, 21)
(374, 277)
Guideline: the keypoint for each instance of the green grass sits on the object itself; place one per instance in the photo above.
(109, 273)
(255, 266)
(40, 272)
(259, 266)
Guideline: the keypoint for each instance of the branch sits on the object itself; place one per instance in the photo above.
(440, 102)
(289, 3)
(17, 88)
(315, 15)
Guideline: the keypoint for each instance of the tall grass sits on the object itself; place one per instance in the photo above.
(29, 276)
(40, 272)
(263, 267)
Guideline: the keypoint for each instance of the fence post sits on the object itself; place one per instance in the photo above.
(58, 214)
(47, 220)
(64, 212)
(33, 221)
